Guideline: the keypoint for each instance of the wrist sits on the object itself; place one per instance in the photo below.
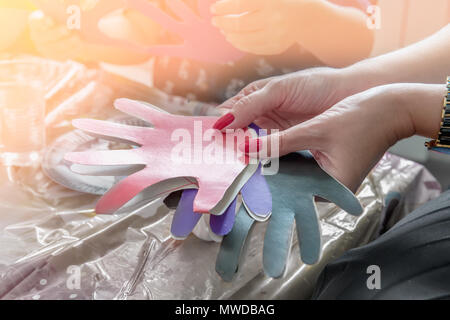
(422, 104)
(363, 76)
(426, 111)
(389, 109)
(352, 81)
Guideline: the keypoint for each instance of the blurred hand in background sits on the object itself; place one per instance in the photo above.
(335, 34)
(56, 41)
(53, 40)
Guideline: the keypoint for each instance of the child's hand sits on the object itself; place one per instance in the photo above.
(56, 41)
(264, 27)
(53, 40)
(336, 35)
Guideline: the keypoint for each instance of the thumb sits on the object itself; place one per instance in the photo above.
(248, 106)
(305, 136)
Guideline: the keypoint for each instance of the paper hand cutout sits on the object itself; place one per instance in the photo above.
(255, 196)
(293, 189)
(218, 182)
(202, 41)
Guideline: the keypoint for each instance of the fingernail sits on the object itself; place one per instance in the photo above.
(224, 121)
(212, 9)
(214, 22)
(251, 146)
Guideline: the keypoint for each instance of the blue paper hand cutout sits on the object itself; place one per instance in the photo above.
(293, 189)
(233, 245)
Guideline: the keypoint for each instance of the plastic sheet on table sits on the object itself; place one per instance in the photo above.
(53, 247)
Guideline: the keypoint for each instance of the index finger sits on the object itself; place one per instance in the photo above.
(225, 7)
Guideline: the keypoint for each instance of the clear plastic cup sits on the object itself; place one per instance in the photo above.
(22, 123)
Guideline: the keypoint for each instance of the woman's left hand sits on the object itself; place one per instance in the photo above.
(348, 139)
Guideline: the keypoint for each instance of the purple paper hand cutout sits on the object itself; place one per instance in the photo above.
(202, 41)
(185, 219)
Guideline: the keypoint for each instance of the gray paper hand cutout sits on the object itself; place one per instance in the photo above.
(293, 189)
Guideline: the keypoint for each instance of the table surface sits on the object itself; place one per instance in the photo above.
(47, 232)
(50, 239)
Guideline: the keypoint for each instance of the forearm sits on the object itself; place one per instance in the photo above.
(336, 35)
(424, 62)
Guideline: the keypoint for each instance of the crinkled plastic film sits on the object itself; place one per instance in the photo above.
(53, 246)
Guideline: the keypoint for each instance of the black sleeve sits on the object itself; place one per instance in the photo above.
(413, 259)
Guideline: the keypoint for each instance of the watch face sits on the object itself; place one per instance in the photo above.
(444, 131)
(59, 170)
(441, 150)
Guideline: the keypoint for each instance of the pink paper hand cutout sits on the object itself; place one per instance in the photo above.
(176, 147)
(202, 41)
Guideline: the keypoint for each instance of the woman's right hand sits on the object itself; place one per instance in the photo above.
(284, 101)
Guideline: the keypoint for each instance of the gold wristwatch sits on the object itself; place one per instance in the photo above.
(443, 140)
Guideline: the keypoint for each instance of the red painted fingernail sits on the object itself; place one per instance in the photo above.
(224, 121)
(251, 146)
(246, 147)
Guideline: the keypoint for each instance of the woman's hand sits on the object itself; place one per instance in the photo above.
(349, 138)
(284, 101)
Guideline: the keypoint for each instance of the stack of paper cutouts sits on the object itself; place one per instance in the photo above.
(185, 153)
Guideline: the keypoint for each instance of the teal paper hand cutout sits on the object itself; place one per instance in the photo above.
(293, 189)
(232, 247)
